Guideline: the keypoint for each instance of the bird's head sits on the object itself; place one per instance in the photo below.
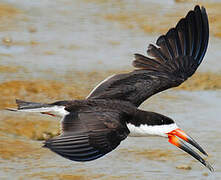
(178, 137)
(159, 125)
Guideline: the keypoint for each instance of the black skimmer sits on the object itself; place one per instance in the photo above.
(95, 126)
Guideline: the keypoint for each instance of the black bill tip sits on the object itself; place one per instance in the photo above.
(196, 145)
(182, 145)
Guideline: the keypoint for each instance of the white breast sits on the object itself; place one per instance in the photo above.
(145, 130)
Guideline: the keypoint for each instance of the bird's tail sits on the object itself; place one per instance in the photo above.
(54, 109)
(25, 106)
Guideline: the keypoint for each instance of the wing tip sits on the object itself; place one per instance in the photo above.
(70, 152)
(45, 144)
(160, 40)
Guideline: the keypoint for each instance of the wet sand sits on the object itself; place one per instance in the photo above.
(60, 50)
(50, 90)
(161, 21)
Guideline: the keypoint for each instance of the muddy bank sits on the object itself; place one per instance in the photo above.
(93, 34)
(75, 176)
(38, 127)
(11, 69)
(159, 21)
(10, 15)
(149, 17)
(8, 11)
(19, 148)
(77, 88)
(152, 154)
(202, 81)
(57, 176)
(21, 152)
(37, 90)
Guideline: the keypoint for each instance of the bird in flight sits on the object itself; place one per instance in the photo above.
(95, 126)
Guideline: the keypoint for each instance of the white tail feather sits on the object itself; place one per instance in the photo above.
(55, 110)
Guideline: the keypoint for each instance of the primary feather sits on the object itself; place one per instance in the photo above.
(173, 60)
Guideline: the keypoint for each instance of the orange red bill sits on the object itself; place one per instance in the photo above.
(181, 134)
(173, 139)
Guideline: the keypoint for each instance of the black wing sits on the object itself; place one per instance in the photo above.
(175, 58)
(88, 136)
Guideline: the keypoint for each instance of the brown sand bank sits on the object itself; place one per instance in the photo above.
(11, 148)
(8, 11)
(37, 90)
(159, 21)
(43, 127)
(147, 17)
(39, 127)
(8, 15)
(202, 81)
(29, 126)
(61, 176)
(152, 154)
(11, 69)
(46, 91)
(75, 176)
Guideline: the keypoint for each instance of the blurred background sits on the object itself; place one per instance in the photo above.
(61, 49)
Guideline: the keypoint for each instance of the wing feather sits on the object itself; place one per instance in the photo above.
(177, 56)
(87, 136)
(73, 148)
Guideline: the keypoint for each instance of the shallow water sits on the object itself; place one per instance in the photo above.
(50, 40)
(64, 36)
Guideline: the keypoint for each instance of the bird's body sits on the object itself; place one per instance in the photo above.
(93, 127)
(103, 122)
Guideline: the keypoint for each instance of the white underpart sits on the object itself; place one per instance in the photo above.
(145, 130)
(56, 110)
(100, 84)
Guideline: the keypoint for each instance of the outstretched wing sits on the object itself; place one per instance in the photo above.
(175, 58)
(88, 135)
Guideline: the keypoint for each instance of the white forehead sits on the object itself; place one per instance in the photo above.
(146, 130)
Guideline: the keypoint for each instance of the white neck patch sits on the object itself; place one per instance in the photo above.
(147, 130)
